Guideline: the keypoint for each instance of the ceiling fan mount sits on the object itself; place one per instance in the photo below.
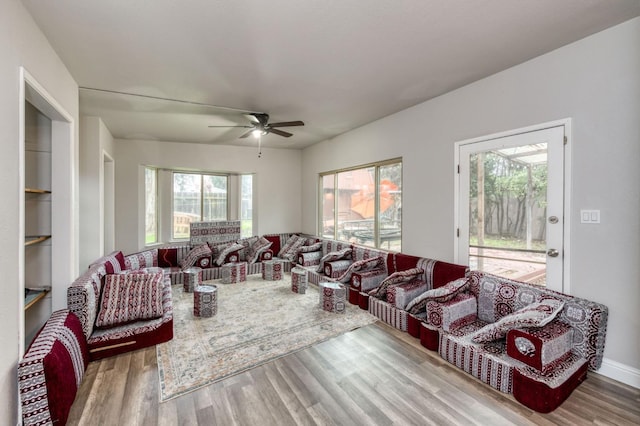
(260, 126)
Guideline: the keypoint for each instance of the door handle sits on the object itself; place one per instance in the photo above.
(552, 253)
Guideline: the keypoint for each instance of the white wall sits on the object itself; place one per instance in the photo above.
(23, 44)
(277, 182)
(95, 140)
(594, 81)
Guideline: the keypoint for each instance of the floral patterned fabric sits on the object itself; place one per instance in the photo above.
(440, 294)
(395, 279)
(222, 256)
(534, 315)
(259, 246)
(332, 256)
(290, 249)
(113, 262)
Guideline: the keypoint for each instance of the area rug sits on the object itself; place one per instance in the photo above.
(257, 321)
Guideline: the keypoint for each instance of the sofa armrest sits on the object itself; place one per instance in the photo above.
(336, 268)
(541, 347)
(400, 295)
(368, 280)
(311, 258)
(457, 312)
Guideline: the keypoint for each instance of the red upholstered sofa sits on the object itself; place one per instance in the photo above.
(519, 338)
(51, 370)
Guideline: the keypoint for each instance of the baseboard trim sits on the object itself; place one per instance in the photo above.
(620, 372)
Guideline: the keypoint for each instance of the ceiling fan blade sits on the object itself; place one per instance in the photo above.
(247, 134)
(280, 133)
(287, 124)
(244, 127)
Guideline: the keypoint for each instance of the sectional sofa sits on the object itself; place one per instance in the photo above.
(539, 358)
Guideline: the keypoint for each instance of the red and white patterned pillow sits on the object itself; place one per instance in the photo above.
(257, 248)
(130, 297)
(367, 264)
(290, 249)
(334, 255)
(113, 262)
(222, 255)
(534, 315)
(394, 279)
(203, 250)
(312, 247)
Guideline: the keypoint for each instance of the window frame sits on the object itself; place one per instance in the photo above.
(156, 205)
(202, 175)
(377, 243)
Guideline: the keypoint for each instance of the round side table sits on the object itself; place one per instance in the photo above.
(191, 278)
(205, 301)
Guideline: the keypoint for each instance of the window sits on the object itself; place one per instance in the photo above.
(196, 198)
(246, 206)
(363, 205)
(150, 205)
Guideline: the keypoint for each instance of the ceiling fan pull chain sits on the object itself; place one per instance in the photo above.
(259, 146)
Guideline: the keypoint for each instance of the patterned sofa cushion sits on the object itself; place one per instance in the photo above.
(255, 250)
(290, 249)
(400, 295)
(440, 294)
(130, 297)
(542, 348)
(195, 256)
(225, 251)
(143, 259)
(395, 279)
(113, 262)
(52, 369)
(535, 315)
(342, 254)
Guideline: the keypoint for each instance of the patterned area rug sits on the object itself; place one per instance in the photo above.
(257, 322)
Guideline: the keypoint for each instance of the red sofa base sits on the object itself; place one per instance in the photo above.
(105, 349)
(539, 396)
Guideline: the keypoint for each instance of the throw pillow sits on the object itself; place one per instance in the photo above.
(396, 278)
(332, 256)
(365, 265)
(290, 249)
(130, 297)
(227, 251)
(203, 250)
(257, 248)
(440, 294)
(310, 248)
(534, 315)
(246, 244)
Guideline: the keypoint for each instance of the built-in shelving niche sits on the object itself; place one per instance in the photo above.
(37, 219)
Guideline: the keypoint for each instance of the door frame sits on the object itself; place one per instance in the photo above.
(566, 123)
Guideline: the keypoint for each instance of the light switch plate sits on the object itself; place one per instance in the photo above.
(589, 216)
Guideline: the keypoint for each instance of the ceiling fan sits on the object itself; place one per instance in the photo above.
(260, 126)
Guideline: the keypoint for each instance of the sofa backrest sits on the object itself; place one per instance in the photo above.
(83, 297)
(333, 245)
(214, 232)
(498, 296)
(436, 273)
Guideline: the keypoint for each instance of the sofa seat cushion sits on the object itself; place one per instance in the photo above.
(535, 315)
(130, 297)
(135, 335)
(487, 362)
(52, 369)
(542, 348)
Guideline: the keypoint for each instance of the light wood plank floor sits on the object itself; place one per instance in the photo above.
(375, 375)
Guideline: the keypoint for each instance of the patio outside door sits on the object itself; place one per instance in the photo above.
(510, 208)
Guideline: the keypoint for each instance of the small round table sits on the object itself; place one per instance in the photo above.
(205, 301)
(332, 297)
(191, 278)
(299, 280)
(272, 270)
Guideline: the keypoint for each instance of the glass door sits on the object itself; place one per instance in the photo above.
(511, 206)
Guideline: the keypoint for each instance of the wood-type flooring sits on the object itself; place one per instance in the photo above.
(375, 375)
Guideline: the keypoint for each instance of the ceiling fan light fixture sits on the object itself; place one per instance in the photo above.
(258, 132)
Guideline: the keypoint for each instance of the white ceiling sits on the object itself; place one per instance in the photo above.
(334, 64)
